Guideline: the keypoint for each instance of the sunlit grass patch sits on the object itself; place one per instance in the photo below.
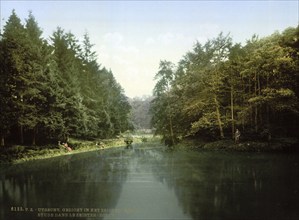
(19, 153)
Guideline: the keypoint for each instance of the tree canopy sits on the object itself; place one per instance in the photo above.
(53, 89)
(220, 86)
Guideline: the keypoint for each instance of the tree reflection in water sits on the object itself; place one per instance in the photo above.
(84, 181)
(198, 185)
(218, 185)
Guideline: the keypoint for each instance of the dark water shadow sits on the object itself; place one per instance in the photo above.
(69, 183)
(219, 185)
(151, 183)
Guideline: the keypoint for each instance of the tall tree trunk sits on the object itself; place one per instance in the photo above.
(251, 113)
(171, 130)
(218, 117)
(170, 121)
(255, 109)
(232, 110)
(259, 90)
(267, 106)
(243, 102)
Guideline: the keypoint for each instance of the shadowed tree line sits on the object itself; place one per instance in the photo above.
(140, 115)
(52, 89)
(220, 86)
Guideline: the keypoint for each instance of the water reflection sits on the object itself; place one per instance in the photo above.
(145, 194)
(152, 183)
(75, 181)
(213, 185)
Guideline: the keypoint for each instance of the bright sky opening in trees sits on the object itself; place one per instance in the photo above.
(131, 37)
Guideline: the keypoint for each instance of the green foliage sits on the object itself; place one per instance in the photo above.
(219, 86)
(165, 104)
(56, 89)
(140, 115)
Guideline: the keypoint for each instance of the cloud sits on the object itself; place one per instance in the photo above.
(120, 60)
(170, 38)
(129, 49)
(150, 41)
(134, 63)
(136, 81)
(115, 43)
(207, 31)
(126, 62)
(166, 39)
(114, 38)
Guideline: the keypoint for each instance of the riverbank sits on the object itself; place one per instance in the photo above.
(276, 145)
(19, 153)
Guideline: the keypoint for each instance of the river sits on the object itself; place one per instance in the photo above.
(153, 183)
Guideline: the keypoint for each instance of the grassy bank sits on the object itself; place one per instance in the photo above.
(19, 153)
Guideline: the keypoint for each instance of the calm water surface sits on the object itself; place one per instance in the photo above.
(151, 183)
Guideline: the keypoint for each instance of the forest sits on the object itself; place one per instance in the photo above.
(140, 116)
(53, 89)
(221, 86)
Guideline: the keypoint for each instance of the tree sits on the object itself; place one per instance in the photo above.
(162, 103)
(270, 66)
(14, 52)
(205, 73)
(68, 67)
(140, 115)
(35, 80)
(234, 84)
(219, 86)
(52, 91)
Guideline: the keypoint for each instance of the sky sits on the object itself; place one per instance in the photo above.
(132, 37)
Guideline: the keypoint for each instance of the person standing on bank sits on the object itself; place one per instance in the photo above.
(237, 136)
